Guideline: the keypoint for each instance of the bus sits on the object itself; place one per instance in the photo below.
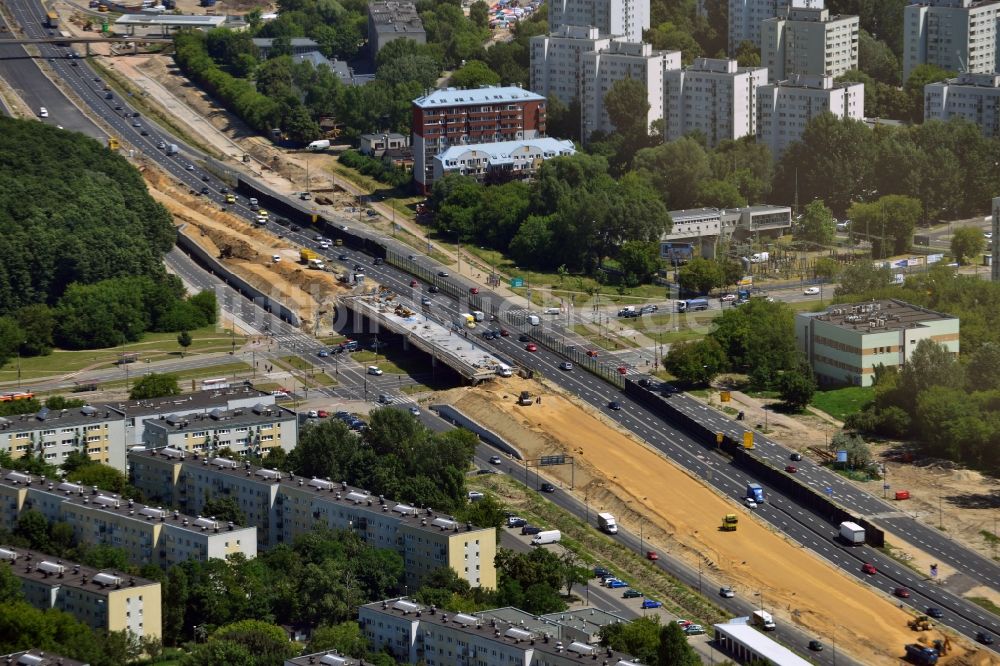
(214, 384)
(52, 19)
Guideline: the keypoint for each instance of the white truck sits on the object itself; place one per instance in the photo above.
(607, 523)
(763, 619)
(852, 533)
(546, 536)
(322, 144)
(479, 315)
(317, 264)
(760, 257)
(534, 320)
(503, 370)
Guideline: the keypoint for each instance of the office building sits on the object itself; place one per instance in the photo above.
(148, 534)
(616, 62)
(975, 97)
(625, 19)
(845, 343)
(413, 634)
(38, 658)
(283, 506)
(454, 117)
(745, 17)
(716, 98)
(785, 108)
(957, 35)
(502, 161)
(98, 431)
(391, 20)
(809, 41)
(101, 599)
(557, 60)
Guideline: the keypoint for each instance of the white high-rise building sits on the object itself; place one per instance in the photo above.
(809, 41)
(619, 18)
(715, 97)
(745, 17)
(556, 60)
(975, 97)
(615, 62)
(785, 108)
(958, 35)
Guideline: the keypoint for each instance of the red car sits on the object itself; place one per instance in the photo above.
(504, 333)
(532, 347)
(474, 290)
(902, 593)
(791, 469)
(591, 353)
(413, 283)
(652, 555)
(622, 370)
(869, 568)
(322, 413)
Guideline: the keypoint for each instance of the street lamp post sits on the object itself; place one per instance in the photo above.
(642, 548)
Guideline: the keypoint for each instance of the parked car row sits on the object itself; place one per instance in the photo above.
(352, 421)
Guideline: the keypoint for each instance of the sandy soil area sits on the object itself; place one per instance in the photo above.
(621, 475)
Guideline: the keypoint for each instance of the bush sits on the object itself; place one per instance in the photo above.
(376, 168)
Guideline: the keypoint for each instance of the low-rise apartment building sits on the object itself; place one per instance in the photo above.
(148, 534)
(283, 506)
(502, 161)
(845, 343)
(974, 97)
(413, 633)
(257, 429)
(785, 108)
(714, 97)
(97, 430)
(326, 658)
(102, 599)
(809, 41)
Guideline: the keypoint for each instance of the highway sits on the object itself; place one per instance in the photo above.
(810, 530)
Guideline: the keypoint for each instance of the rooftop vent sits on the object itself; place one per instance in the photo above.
(106, 579)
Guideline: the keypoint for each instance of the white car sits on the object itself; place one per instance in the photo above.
(986, 234)
(43, 112)
(275, 258)
(750, 502)
(415, 410)
(728, 298)
(811, 291)
(313, 414)
(325, 245)
(374, 370)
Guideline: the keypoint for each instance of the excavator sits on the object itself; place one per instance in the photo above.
(919, 623)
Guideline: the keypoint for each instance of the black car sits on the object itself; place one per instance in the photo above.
(144, 133)
(984, 638)
(601, 571)
(815, 646)
(796, 456)
(614, 406)
(378, 261)
(433, 289)
(530, 529)
(523, 338)
(295, 228)
(109, 96)
(935, 612)
(442, 273)
(204, 190)
(223, 190)
(547, 488)
(205, 178)
(341, 257)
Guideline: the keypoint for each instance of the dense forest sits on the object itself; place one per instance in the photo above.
(83, 245)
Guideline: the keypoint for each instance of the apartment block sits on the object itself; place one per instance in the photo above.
(745, 17)
(327, 658)
(148, 534)
(257, 429)
(809, 41)
(958, 35)
(502, 161)
(625, 19)
(102, 599)
(845, 343)
(995, 244)
(557, 60)
(388, 21)
(283, 506)
(616, 62)
(98, 431)
(714, 97)
(975, 97)
(785, 108)
(454, 117)
(38, 658)
(414, 634)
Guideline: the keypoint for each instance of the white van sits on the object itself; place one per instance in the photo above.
(545, 537)
(504, 370)
(552, 311)
(43, 112)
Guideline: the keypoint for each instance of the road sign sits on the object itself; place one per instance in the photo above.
(516, 282)
(552, 460)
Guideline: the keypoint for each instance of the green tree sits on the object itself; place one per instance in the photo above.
(224, 509)
(346, 638)
(797, 386)
(920, 76)
(479, 14)
(817, 226)
(267, 643)
(826, 268)
(887, 223)
(695, 362)
(38, 323)
(103, 476)
(699, 276)
(11, 338)
(930, 364)
(34, 528)
(10, 587)
(982, 371)
(184, 340)
(627, 106)
(747, 54)
(639, 638)
(639, 260)
(474, 74)
(676, 170)
(859, 455)
(967, 243)
(674, 649)
(758, 338)
(876, 59)
(721, 194)
(155, 385)
(862, 277)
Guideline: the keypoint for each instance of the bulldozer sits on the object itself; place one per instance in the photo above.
(919, 623)
(729, 522)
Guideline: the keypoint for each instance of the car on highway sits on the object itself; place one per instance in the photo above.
(750, 502)
(204, 178)
(205, 190)
(504, 333)
(531, 346)
(136, 123)
(652, 555)
(323, 353)
(144, 133)
(791, 469)
(190, 167)
(632, 594)
(490, 335)
(341, 257)
(651, 603)
(566, 365)
(323, 244)
(414, 283)
(119, 108)
(870, 569)
(374, 370)
(815, 645)
(161, 145)
(811, 291)
(726, 592)
(109, 96)
(433, 289)
(614, 406)
(592, 353)
(796, 456)
(495, 460)
(616, 584)
(622, 370)
(416, 412)
(426, 302)
(442, 273)
(547, 488)
(523, 338)
(984, 638)
(473, 290)
(935, 612)
(902, 592)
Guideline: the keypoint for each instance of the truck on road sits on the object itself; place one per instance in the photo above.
(692, 305)
(306, 255)
(755, 492)
(545, 537)
(322, 144)
(763, 620)
(852, 533)
(606, 522)
(172, 149)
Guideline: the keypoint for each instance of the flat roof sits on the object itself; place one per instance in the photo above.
(36, 657)
(500, 150)
(590, 619)
(888, 314)
(55, 572)
(292, 41)
(749, 637)
(46, 418)
(222, 418)
(188, 402)
(522, 619)
(327, 490)
(181, 20)
(328, 658)
(476, 96)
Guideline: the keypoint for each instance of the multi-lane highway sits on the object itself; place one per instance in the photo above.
(801, 525)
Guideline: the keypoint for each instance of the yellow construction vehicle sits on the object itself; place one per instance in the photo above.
(729, 522)
(112, 143)
(919, 623)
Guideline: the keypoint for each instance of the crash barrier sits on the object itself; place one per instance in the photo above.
(455, 417)
(215, 267)
(745, 460)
